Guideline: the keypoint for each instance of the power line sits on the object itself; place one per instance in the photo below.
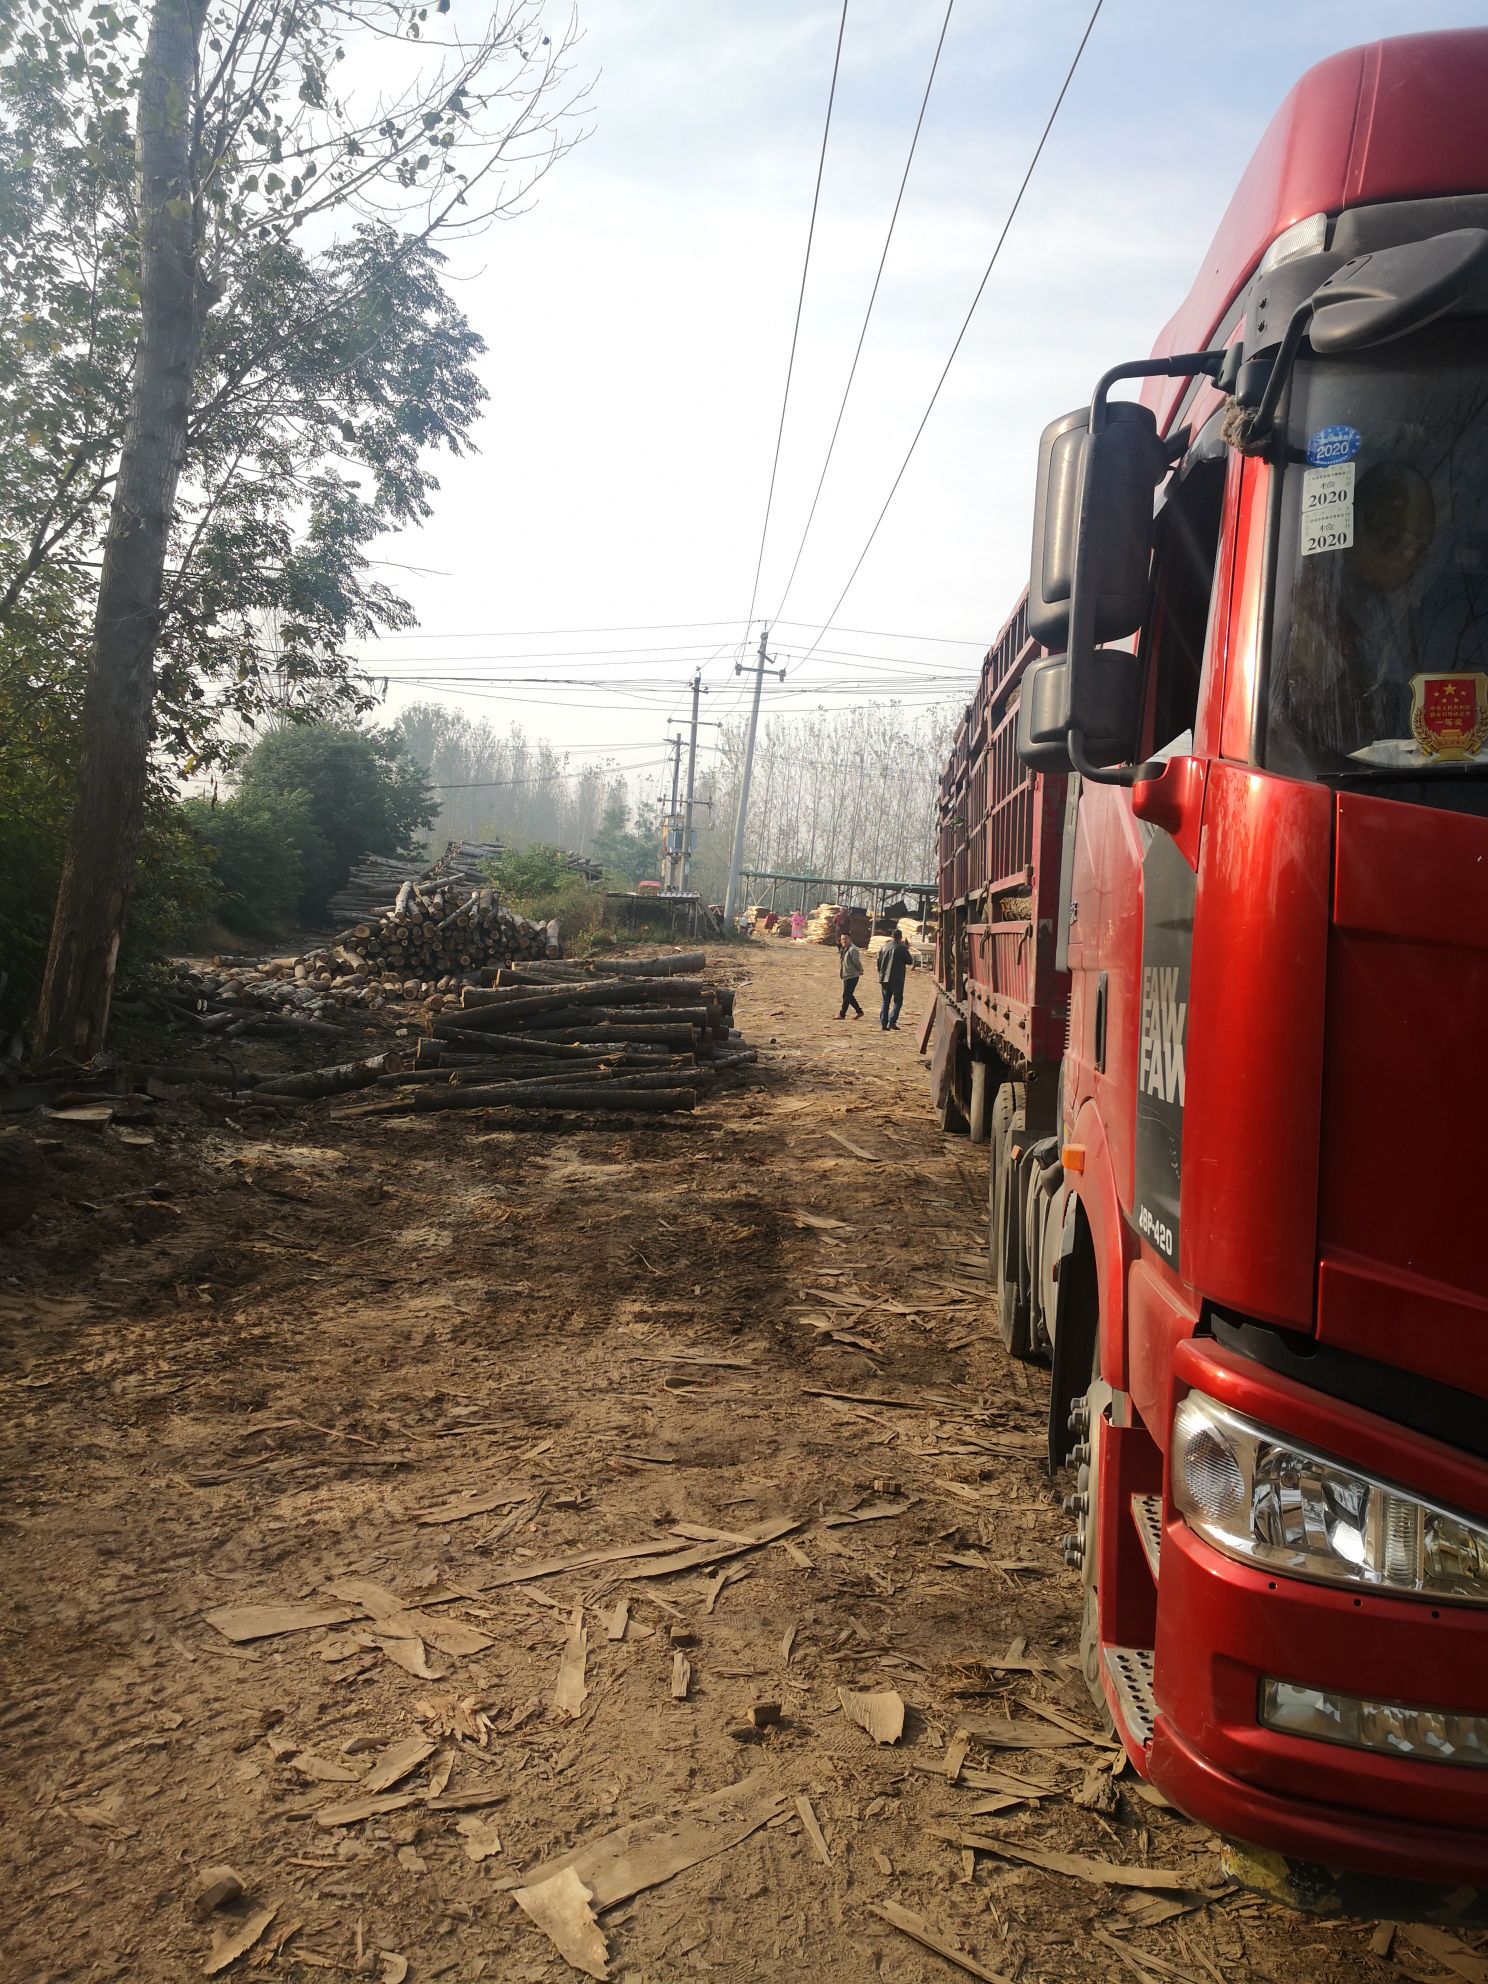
(545, 633)
(881, 634)
(796, 332)
(544, 778)
(451, 668)
(852, 370)
(966, 326)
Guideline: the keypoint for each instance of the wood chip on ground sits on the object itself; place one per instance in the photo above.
(881, 1713)
(919, 1930)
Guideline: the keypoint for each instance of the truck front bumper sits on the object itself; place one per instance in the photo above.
(1224, 1628)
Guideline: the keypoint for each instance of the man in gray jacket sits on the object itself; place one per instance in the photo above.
(850, 964)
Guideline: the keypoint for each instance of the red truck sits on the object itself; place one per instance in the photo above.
(1213, 986)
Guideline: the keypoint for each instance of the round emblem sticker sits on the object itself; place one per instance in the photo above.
(1332, 445)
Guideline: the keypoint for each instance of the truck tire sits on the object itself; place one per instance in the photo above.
(1009, 1116)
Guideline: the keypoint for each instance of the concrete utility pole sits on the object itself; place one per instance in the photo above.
(674, 745)
(697, 690)
(671, 853)
(758, 670)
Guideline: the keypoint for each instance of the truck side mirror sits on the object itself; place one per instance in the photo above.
(1100, 485)
(1104, 701)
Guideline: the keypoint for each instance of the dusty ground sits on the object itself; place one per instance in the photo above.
(252, 1359)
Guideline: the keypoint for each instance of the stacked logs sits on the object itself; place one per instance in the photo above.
(465, 866)
(436, 932)
(644, 1034)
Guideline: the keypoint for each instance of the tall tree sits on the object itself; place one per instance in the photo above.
(215, 339)
(103, 838)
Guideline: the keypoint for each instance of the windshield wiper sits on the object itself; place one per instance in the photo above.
(1411, 774)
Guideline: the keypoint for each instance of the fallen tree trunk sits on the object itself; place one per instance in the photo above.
(326, 1081)
(495, 1049)
(683, 965)
(702, 1017)
(140, 1072)
(517, 999)
(572, 1096)
(560, 1046)
(688, 963)
(261, 1022)
(734, 1057)
(593, 1036)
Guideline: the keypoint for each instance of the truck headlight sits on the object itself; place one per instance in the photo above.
(1265, 1498)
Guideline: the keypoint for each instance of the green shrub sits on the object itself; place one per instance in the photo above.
(362, 794)
(258, 842)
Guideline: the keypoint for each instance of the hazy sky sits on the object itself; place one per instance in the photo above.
(638, 320)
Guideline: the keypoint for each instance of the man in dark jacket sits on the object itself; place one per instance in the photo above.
(893, 961)
(851, 967)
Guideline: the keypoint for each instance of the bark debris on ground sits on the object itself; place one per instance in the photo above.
(500, 1553)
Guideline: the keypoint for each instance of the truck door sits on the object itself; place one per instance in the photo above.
(1133, 890)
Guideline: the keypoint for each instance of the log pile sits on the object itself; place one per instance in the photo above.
(646, 1034)
(429, 944)
(374, 883)
(435, 935)
(465, 866)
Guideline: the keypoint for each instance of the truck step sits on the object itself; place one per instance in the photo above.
(1129, 1671)
(1147, 1515)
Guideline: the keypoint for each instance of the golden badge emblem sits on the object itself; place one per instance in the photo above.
(1449, 714)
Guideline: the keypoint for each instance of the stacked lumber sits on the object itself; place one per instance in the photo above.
(831, 919)
(428, 944)
(372, 885)
(376, 881)
(434, 934)
(649, 1034)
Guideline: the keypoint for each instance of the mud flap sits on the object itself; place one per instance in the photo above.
(1333, 1891)
(1069, 1357)
(943, 1061)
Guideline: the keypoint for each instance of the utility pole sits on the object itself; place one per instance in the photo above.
(674, 745)
(671, 852)
(758, 670)
(697, 690)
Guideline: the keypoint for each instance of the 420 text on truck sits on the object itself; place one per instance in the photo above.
(1213, 985)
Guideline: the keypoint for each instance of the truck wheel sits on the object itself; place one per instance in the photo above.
(1009, 1116)
(1087, 1419)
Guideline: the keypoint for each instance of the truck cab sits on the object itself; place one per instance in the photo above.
(1234, 1069)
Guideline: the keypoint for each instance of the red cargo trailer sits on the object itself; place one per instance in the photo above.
(1213, 983)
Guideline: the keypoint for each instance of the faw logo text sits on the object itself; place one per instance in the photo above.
(1164, 1017)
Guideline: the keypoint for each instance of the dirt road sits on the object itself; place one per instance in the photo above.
(386, 1372)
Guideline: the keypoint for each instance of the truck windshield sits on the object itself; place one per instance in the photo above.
(1379, 650)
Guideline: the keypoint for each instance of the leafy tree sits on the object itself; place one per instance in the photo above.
(359, 793)
(234, 354)
(258, 843)
(628, 853)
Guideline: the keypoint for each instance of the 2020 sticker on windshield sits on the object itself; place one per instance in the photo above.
(1327, 509)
